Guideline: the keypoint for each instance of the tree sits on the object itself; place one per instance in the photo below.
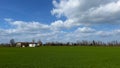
(93, 43)
(12, 42)
(33, 41)
(39, 43)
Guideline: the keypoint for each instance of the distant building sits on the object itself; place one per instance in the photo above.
(27, 44)
(32, 44)
(22, 44)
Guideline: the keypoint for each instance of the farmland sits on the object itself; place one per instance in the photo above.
(60, 57)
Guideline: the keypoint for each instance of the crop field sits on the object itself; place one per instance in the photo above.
(60, 57)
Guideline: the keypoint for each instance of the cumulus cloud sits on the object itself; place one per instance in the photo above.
(88, 12)
(85, 30)
(26, 31)
(59, 24)
(23, 31)
(22, 26)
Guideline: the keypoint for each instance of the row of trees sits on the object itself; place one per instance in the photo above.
(78, 43)
(84, 43)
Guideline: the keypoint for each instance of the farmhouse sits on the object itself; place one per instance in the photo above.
(27, 44)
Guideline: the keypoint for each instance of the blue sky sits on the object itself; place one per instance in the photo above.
(59, 20)
(34, 10)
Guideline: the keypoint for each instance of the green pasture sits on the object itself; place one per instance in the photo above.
(60, 57)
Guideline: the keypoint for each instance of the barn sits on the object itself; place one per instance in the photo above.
(27, 44)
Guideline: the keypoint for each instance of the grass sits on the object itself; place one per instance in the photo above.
(60, 57)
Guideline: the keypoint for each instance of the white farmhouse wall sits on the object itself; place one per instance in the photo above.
(32, 45)
(18, 45)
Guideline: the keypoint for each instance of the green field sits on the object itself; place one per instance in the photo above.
(60, 57)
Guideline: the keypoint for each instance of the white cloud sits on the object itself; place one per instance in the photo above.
(85, 30)
(59, 24)
(26, 31)
(22, 26)
(105, 33)
(88, 12)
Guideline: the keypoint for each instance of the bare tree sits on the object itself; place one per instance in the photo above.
(39, 43)
(12, 42)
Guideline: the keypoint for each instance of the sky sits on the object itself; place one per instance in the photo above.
(59, 20)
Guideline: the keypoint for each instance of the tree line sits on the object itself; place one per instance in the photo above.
(84, 43)
(78, 43)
